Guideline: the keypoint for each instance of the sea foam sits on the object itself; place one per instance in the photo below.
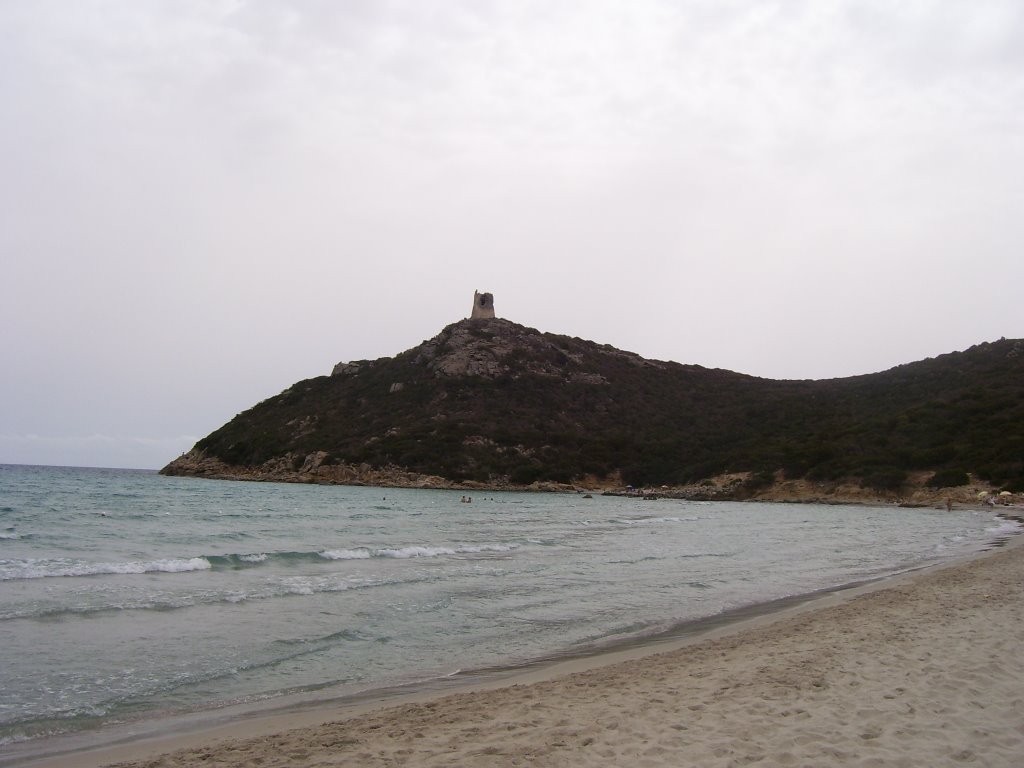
(465, 549)
(1004, 527)
(346, 554)
(402, 553)
(42, 569)
(406, 552)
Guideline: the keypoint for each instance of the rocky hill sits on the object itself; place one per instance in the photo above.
(491, 403)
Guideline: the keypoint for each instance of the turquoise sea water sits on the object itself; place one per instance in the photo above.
(127, 595)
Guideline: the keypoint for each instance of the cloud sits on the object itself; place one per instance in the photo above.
(206, 201)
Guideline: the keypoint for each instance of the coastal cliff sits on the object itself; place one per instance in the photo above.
(488, 403)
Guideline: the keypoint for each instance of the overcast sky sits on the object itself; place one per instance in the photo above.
(202, 202)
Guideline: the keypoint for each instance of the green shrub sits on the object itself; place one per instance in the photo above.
(948, 478)
(884, 480)
(525, 474)
(759, 480)
(832, 470)
(1015, 486)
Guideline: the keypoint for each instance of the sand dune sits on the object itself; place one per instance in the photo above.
(924, 671)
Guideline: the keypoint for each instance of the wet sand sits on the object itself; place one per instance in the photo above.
(919, 670)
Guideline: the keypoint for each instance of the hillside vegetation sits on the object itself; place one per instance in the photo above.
(495, 402)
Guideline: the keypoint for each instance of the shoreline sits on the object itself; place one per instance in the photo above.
(731, 486)
(214, 731)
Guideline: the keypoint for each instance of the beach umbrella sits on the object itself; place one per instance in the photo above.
(1005, 493)
(982, 494)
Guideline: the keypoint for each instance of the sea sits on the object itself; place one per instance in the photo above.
(128, 597)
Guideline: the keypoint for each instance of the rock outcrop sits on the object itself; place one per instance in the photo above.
(294, 468)
(493, 348)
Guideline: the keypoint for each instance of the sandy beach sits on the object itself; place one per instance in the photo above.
(919, 670)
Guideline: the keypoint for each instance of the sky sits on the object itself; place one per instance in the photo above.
(204, 201)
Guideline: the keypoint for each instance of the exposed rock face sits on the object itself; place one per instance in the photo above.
(493, 347)
(293, 468)
(496, 347)
(346, 369)
(356, 366)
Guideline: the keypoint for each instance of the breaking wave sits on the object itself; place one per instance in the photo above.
(33, 568)
(39, 568)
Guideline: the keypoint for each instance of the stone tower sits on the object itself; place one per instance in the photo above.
(483, 306)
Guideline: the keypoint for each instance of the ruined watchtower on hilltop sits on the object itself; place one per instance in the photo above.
(483, 306)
